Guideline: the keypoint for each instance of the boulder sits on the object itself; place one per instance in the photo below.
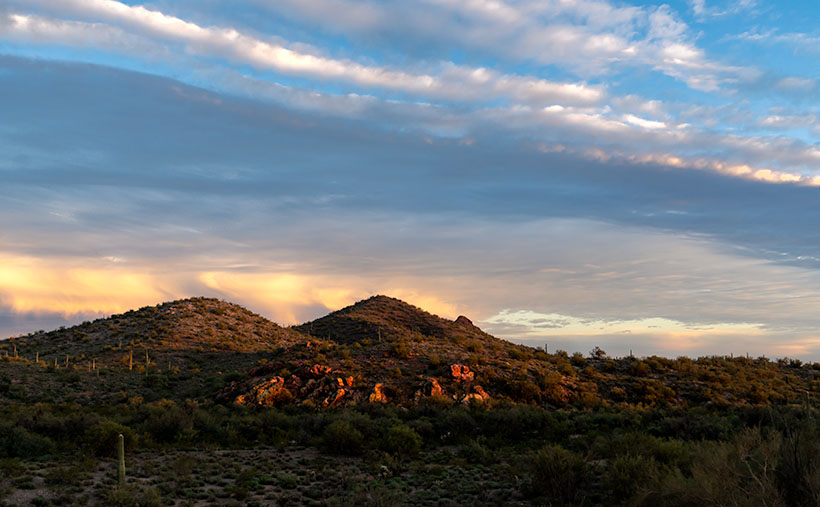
(478, 394)
(336, 400)
(431, 388)
(378, 395)
(461, 373)
(319, 370)
(266, 394)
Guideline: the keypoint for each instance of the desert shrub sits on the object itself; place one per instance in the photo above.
(565, 368)
(639, 369)
(400, 349)
(524, 391)
(402, 442)
(166, 422)
(475, 452)
(521, 353)
(798, 470)
(474, 346)
(455, 425)
(156, 381)
(17, 442)
(61, 476)
(370, 494)
(11, 468)
(102, 438)
(739, 473)
(132, 497)
(665, 452)
(340, 437)
(558, 475)
(617, 393)
(627, 474)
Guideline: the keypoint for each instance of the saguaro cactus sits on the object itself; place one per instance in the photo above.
(121, 464)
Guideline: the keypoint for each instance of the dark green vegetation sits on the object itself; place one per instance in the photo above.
(383, 404)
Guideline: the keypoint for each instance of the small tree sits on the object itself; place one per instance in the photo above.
(597, 353)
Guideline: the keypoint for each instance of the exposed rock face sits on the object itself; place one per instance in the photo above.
(319, 370)
(478, 394)
(464, 321)
(339, 395)
(431, 389)
(378, 395)
(461, 373)
(266, 394)
(435, 388)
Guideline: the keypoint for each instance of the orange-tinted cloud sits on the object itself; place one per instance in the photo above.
(29, 284)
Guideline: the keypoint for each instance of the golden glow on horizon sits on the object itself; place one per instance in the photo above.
(104, 286)
(34, 285)
(281, 295)
(95, 286)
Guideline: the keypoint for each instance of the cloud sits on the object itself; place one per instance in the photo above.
(565, 113)
(704, 11)
(539, 325)
(171, 190)
(30, 285)
(452, 82)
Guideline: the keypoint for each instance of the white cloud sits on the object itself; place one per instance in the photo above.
(575, 114)
(534, 324)
(452, 82)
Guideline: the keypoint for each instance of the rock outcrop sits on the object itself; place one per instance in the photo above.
(266, 394)
(461, 373)
(464, 321)
(430, 389)
(319, 370)
(378, 395)
(478, 394)
(336, 400)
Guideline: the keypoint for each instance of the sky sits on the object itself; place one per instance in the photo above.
(640, 177)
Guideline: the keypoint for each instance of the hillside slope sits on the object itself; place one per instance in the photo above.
(380, 350)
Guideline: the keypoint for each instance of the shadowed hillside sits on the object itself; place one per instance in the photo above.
(384, 403)
(377, 350)
(383, 317)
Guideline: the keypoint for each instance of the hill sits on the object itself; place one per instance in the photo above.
(184, 344)
(384, 403)
(383, 317)
(378, 350)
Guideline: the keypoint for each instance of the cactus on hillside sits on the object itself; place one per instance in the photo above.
(121, 460)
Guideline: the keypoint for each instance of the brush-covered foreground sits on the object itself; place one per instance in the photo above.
(426, 455)
(382, 403)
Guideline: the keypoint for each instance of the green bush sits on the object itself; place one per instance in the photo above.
(402, 442)
(558, 475)
(798, 470)
(132, 497)
(166, 422)
(627, 474)
(102, 438)
(17, 442)
(340, 437)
